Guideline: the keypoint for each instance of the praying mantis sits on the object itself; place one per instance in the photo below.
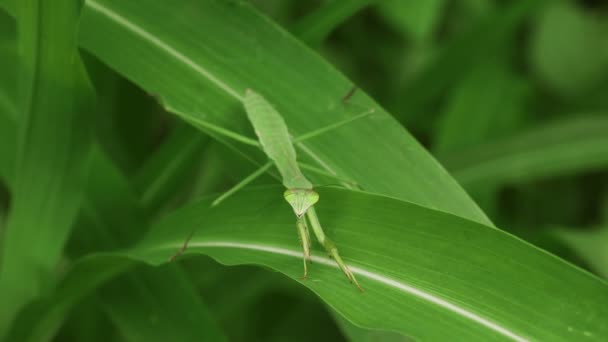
(276, 142)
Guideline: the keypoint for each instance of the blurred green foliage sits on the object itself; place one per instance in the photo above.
(510, 96)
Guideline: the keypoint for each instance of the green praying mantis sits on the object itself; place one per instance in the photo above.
(276, 142)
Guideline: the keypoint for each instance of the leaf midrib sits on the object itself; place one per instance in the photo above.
(371, 275)
(162, 45)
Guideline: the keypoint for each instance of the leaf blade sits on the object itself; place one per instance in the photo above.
(201, 63)
(457, 270)
(553, 149)
(52, 151)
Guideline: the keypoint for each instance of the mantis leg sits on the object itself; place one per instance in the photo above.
(330, 247)
(225, 195)
(350, 94)
(220, 130)
(181, 250)
(305, 239)
(324, 173)
(257, 173)
(333, 126)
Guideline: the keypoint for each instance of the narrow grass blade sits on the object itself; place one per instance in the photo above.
(171, 169)
(111, 219)
(488, 36)
(565, 147)
(489, 88)
(315, 27)
(52, 151)
(162, 305)
(590, 244)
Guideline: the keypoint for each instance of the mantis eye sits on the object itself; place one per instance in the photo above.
(301, 199)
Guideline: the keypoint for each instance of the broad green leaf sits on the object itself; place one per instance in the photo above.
(181, 68)
(171, 168)
(110, 218)
(8, 60)
(8, 140)
(454, 280)
(590, 244)
(52, 150)
(406, 286)
(315, 27)
(40, 320)
(201, 77)
(568, 48)
(220, 168)
(158, 304)
(114, 211)
(486, 105)
(125, 109)
(162, 293)
(268, 304)
(86, 323)
(161, 303)
(604, 208)
(357, 334)
(416, 19)
(564, 147)
(270, 307)
(8, 106)
(489, 36)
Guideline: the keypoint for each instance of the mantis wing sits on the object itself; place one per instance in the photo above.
(274, 137)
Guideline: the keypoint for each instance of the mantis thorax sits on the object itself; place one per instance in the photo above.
(301, 199)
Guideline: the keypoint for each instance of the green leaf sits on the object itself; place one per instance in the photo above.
(467, 123)
(201, 77)
(488, 104)
(126, 109)
(110, 214)
(171, 168)
(158, 304)
(590, 244)
(315, 27)
(40, 320)
(52, 151)
(451, 273)
(113, 211)
(416, 19)
(199, 63)
(162, 304)
(357, 334)
(569, 50)
(8, 140)
(567, 146)
(181, 68)
(489, 36)
(8, 106)
(110, 218)
(8, 60)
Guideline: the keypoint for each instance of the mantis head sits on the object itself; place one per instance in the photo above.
(301, 199)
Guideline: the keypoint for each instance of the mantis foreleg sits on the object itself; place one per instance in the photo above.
(330, 246)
